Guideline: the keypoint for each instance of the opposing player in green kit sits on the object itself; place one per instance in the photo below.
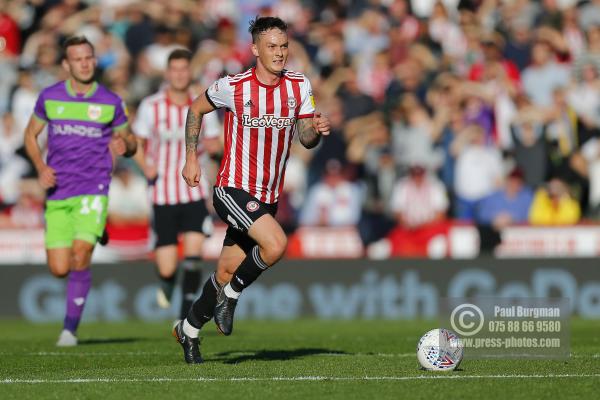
(82, 118)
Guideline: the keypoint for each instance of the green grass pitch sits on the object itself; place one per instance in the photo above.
(304, 359)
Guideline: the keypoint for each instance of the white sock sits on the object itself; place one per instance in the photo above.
(229, 292)
(189, 330)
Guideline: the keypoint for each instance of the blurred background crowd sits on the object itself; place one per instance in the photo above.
(485, 112)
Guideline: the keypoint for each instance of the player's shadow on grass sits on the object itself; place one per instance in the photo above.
(273, 355)
(86, 342)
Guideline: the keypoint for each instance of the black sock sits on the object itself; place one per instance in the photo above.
(203, 308)
(250, 269)
(167, 284)
(190, 283)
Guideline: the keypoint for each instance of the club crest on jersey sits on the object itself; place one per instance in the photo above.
(267, 121)
(252, 206)
(291, 102)
(94, 112)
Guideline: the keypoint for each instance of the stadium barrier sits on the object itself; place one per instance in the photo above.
(327, 289)
(447, 240)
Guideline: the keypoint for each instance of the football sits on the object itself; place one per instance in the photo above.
(440, 350)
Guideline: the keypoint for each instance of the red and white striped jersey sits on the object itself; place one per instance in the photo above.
(260, 122)
(162, 124)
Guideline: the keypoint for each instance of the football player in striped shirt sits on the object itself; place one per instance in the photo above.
(82, 118)
(177, 208)
(264, 107)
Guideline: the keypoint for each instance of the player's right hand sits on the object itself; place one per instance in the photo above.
(47, 177)
(191, 173)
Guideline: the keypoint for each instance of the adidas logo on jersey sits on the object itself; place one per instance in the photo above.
(249, 103)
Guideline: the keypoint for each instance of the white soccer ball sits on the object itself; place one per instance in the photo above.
(440, 350)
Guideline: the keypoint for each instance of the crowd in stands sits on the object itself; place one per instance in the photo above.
(482, 111)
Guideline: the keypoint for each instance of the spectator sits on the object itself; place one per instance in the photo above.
(366, 35)
(404, 30)
(445, 31)
(478, 171)
(23, 100)
(584, 95)
(591, 154)
(332, 146)
(566, 133)
(506, 206)
(158, 52)
(411, 76)
(591, 54)
(554, 205)
(590, 14)
(28, 212)
(334, 202)
(219, 56)
(139, 33)
(379, 177)
(412, 134)
(419, 199)
(355, 103)
(518, 45)
(419, 203)
(572, 32)
(426, 8)
(128, 199)
(493, 45)
(450, 133)
(12, 166)
(543, 75)
(529, 145)
(46, 71)
(111, 52)
(10, 35)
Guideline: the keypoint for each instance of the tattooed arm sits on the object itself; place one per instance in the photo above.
(307, 134)
(310, 130)
(193, 123)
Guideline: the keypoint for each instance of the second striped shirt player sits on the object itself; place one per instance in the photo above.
(177, 208)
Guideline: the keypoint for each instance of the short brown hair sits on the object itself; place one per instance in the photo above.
(75, 41)
(179, 54)
(262, 24)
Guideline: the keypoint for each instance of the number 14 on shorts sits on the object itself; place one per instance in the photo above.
(92, 203)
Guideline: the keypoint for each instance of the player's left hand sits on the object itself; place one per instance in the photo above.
(117, 146)
(321, 123)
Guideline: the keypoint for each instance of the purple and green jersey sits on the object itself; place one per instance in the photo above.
(79, 130)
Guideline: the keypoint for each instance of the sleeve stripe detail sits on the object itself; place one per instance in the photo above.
(210, 100)
(235, 83)
(240, 76)
(119, 127)
(301, 116)
(39, 118)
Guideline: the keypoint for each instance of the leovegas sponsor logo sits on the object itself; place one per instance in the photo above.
(267, 121)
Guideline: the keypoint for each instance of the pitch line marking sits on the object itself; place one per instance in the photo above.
(293, 378)
(153, 353)
(241, 353)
